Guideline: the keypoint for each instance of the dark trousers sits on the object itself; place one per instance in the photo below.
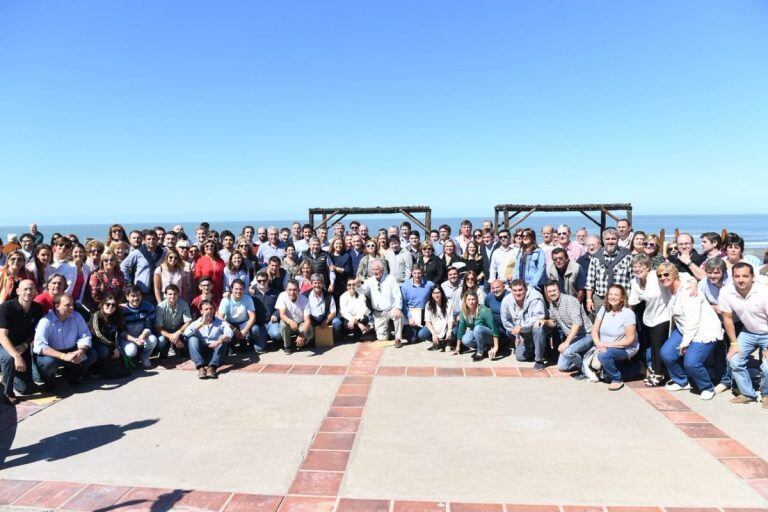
(13, 380)
(50, 365)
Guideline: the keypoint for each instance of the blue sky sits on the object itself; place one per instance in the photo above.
(143, 110)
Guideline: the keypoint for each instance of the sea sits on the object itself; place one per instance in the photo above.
(753, 228)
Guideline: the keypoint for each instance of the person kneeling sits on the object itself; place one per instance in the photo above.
(239, 312)
(294, 317)
(476, 327)
(62, 339)
(208, 339)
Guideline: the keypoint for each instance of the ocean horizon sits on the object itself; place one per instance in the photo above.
(753, 228)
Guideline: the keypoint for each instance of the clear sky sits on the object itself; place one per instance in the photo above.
(169, 109)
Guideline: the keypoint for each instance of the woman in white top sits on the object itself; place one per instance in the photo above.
(438, 321)
(655, 316)
(696, 333)
(170, 272)
(354, 311)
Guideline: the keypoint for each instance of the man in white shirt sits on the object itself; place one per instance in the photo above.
(502, 257)
(749, 303)
(386, 301)
(294, 317)
(624, 227)
(547, 238)
(464, 236)
(239, 312)
(322, 307)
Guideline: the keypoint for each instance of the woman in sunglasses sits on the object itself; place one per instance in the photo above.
(431, 265)
(108, 280)
(371, 253)
(652, 249)
(697, 329)
(105, 326)
(12, 274)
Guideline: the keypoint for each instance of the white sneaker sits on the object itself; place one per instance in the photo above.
(707, 395)
(721, 388)
(674, 386)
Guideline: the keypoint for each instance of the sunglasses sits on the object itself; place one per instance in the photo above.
(663, 274)
(110, 305)
(649, 244)
(261, 280)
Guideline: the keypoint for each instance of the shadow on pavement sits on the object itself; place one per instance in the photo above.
(67, 444)
(161, 504)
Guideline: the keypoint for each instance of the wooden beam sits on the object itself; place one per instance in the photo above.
(662, 236)
(428, 222)
(414, 219)
(589, 217)
(326, 218)
(523, 218)
(506, 218)
(608, 213)
(603, 223)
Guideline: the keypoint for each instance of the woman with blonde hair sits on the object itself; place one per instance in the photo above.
(614, 334)
(652, 249)
(171, 271)
(120, 250)
(12, 274)
(476, 328)
(108, 280)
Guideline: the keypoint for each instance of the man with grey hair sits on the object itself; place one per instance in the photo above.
(581, 236)
(574, 250)
(273, 247)
(610, 265)
(320, 261)
(322, 307)
(386, 302)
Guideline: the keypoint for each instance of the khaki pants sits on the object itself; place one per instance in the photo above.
(286, 332)
(381, 322)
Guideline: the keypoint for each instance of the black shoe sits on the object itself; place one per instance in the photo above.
(398, 344)
(538, 366)
(478, 357)
(578, 376)
(288, 351)
(434, 346)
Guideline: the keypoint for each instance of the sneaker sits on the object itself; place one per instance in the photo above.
(742, 399)
(615, 386)
(707, 395)
(674, 386)
(538, 366)
(721, 388)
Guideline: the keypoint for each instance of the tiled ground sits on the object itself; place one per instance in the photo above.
(364, 428)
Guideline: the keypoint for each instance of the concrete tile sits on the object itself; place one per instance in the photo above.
(416, 354)
(353, 390)
(391, 370)
(761, 486)
(478, 372)
(338, 355)
(450, 372)
(345, 412)
(49, 495)
(689, 509)
(332, 370)
(476, 507)
(325, 461)
(523, 418)
(347, 425)
(150, 499)
(277, 368)
(700, 430)
(724, 448)
(420, 506)
(307, 504)
(505, 371)
(684, 417)
(358, 380)
(528, 373)
(190, 430)
(97, 496)
(253, 503)
(325, 441)
(316, 483)
(748, 468)
(359, 505)
(420, 371)
(532, 508)
(634, 509)
(582, 508)
(253, 367)
(667, 404)
(11, 490)
(349, 401)
(305, 369)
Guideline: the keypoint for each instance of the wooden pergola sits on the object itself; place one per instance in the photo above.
(605, 210)
(331, 216)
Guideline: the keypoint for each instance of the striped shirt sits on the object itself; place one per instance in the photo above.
(567, 312)
(169, 318)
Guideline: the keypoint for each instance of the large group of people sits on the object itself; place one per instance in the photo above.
(605, 307)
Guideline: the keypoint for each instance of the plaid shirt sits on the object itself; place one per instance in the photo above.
(597, 276)
(171, 319)
(568, 312)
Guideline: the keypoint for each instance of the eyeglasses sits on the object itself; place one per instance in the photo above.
(261, 280)
(663, 274)
(108, 260)
(96, 251)
(118, 230)
(504, 237)
(428, 249)
(372, 246)
(563, 234)
(649, 244)
(110, 305)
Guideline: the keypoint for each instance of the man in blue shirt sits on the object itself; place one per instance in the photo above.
(415, 293)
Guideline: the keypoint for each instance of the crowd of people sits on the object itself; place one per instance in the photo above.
(605, 307)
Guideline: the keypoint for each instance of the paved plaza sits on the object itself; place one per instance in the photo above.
(367, 427)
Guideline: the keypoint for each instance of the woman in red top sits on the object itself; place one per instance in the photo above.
(12, 274)
(210, 264)
(107, 280)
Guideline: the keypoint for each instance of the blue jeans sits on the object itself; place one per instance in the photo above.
(203, 355)
(571, 358)
(610, 359)
(50, 365)
(722, 372)
(748, 342)
(101, 351)
(13, 380)
(479, 337)
(693, 361)
(532, 346)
